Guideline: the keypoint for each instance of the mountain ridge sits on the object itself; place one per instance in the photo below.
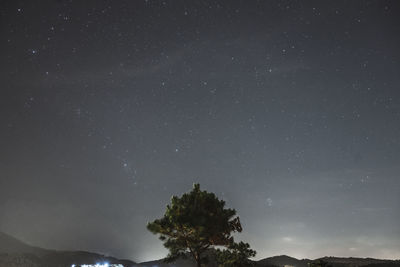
(10, 244)
(15, 253)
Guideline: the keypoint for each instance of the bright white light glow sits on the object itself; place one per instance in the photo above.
(106, 264)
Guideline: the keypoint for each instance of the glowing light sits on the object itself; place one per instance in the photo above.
(106, 264)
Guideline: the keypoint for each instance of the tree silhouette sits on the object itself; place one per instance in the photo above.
(195, 222)
(237, 255)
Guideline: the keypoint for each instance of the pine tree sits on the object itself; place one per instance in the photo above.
(195, 222)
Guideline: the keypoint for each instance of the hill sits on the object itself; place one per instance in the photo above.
(15, 253)
(356, 262)
(9, 244)
(283, 260)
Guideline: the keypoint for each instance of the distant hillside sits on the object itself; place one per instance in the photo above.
(15, 253)
(188, 262)
(9, 244)
(282, 261)
(354, 262)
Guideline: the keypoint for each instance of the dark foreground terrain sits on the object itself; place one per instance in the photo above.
(14, 253)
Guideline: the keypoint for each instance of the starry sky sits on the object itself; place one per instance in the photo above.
(288, 110)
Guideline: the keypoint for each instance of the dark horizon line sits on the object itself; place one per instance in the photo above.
(149, 261)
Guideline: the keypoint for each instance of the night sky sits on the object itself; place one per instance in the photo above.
(288, 110)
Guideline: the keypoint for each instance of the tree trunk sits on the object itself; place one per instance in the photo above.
(198, 259)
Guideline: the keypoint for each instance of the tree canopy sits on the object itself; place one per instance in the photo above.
(195, 222)
(236, 255)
